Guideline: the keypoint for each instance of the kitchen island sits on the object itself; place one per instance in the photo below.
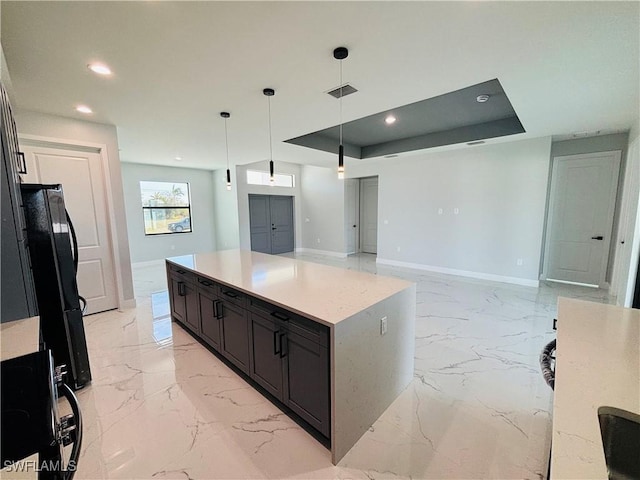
(334, 346)
(597, 364)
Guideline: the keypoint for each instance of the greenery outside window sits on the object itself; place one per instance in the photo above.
(166, 207)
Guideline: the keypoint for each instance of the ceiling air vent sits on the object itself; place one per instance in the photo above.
(478, 142)
(346, 90)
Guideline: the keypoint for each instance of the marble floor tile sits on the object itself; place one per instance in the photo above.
(161, 406)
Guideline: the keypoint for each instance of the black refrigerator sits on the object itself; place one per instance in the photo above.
(53, 253)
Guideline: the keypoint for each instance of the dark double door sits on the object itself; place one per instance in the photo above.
(271, 223)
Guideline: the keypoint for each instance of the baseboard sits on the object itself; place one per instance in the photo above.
(150, 263)
(321, 252)
(461, 273)
(131, 303)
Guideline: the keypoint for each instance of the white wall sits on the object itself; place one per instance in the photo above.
(500, 191)
(225, 208)
(627, 239)
(244, 190)
(145, 248)
(62, 128)
(322, 210)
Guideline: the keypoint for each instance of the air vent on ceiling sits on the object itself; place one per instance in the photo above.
(479, 142)
(346, 90)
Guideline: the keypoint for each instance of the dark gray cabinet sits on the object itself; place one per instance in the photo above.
(291, 360)
(285, 353)
(18, 290)
(183, 297)
(235, 334)
(209, 318)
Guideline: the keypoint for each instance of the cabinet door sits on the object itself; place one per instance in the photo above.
(235, 334)
(191, 305)
(178, 301)
(209, 322)
(266, 363)
(306, 377)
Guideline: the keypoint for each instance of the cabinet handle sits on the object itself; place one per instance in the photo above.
(205, 283)
(217, 308)
(22, 166)
(284, 346)
(181, 291)
(230, 294)
(181, 271)
(555, 323)
(280, 316)
(276, 347)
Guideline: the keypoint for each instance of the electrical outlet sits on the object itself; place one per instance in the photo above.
(318, 240)
(440, 211)
(519, 262)
(173, 247)
(456, 211)
(383, 325)
(398, 249)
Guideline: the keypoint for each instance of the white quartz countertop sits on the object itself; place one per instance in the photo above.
(597, 363)
(322, 293)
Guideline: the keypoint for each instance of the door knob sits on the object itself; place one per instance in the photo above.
(273, 228)
(354, 226)
(599, 237)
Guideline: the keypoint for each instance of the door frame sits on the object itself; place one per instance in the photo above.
(362, 207)
(101, 150)
(292, 198)
(612, 209)
(356, 212)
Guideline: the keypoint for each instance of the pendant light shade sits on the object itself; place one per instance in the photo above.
(270, 92)
(226, 115)
(340, 54)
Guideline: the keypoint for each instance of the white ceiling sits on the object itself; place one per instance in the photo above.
(565, 66)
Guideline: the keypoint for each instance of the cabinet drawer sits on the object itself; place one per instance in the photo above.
(310, 330)
(206, 285)
(182, 273)
(232, 295)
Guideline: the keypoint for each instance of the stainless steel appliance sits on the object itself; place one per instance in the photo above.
(30, 420)
(53, 263)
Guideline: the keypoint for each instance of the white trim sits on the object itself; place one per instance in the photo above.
(617, 156)
(100, 149)
(567, 282)
(149, 263)
(461, 273)
(321, 252)
(128, 304)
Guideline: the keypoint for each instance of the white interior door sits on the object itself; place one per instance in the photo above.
(369, 215)
(80, 174)
(582, 204)
(351, 229)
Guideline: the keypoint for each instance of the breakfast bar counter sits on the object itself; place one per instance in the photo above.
(294, 315)
(597, 364)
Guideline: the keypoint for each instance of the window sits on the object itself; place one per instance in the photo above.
(166, 207)
(262, 178)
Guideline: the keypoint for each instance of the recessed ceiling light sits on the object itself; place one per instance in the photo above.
(390, 119)
(99, 68)
(482, 98)
(179, 159)
(83, 109)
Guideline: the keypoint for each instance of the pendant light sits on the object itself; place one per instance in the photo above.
(226, 115)
(340, 54)
(270, 92)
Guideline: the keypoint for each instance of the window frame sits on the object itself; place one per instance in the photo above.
(167, 207)
(264, 174)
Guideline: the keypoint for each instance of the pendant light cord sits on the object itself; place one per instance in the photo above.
(341, 102)
(270, 135)
(226, 141)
